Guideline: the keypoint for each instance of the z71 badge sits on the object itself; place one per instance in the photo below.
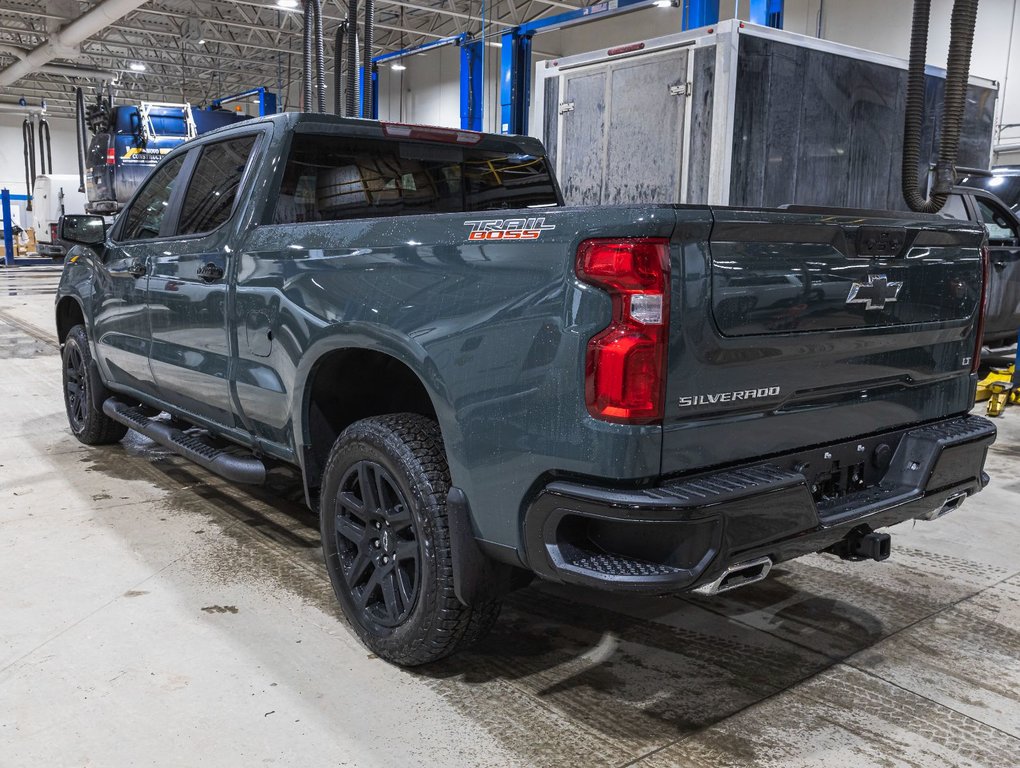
(507, 229)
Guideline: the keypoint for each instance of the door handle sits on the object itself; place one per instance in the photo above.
(136, 268)
(210, 272)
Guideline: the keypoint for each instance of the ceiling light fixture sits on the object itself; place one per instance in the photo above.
(287, 3)
(663, 3)
(137, 66)
(397, 66)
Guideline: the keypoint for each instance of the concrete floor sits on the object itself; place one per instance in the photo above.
(154, 615)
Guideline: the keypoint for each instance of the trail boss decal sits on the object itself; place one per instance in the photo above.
(507, 229)
(727, 397)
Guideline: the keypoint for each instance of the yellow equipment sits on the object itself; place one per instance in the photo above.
(997, 387)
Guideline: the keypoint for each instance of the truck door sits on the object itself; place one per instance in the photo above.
(120, 323)
(1002, 320)
(188, 296)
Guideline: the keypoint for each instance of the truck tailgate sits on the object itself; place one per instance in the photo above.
(800, 329)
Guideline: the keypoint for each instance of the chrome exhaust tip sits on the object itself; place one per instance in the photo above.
(737, 575)
(953, 502)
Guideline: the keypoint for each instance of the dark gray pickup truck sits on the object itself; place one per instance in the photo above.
(479, 384)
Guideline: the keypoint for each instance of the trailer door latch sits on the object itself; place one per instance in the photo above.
(679, 90)
(566, 106)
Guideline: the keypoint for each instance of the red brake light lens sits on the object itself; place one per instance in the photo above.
(625, 367)
(111, 156)
(975, 362)
(54, 235)
(431, 133)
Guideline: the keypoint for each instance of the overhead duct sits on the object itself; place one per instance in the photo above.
(313, 46)
(63, 43)
(351, 95)
(338, 67)
(367, 91)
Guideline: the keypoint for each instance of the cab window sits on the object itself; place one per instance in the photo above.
(145, 217)
(214, 184)
(1001, 227)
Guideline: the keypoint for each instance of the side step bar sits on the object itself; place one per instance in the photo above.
(249, 470)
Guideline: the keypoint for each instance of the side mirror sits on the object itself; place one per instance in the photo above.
(86, 230)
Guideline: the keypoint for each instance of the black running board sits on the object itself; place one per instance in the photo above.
(249, 470)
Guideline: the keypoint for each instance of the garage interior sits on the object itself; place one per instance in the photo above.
(157, 614)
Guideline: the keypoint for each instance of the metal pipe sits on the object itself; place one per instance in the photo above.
(306, 50)
(367, 98)
(63, 43)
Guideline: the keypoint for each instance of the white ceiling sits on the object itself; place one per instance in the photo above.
(247, 43)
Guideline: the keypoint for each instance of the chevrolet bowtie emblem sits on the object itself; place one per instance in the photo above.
(875, 293)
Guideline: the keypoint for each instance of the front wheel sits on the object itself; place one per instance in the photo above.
(386, 541)
(90, 425)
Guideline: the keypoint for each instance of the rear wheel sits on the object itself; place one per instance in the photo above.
(90, 425)
(386, 541)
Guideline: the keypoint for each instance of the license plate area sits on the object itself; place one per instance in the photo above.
(837, 471)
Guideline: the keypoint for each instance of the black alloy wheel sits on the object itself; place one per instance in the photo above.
(377, 545)
(386, 541)
(77, 388)
(88, 423)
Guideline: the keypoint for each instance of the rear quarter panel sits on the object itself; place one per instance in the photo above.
(496, 331)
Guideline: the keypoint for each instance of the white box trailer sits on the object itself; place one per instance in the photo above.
(54, 195)
(738, 114)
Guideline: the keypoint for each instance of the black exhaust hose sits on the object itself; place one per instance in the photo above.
(28, 134)
(320, 60)
(338, 67)
(351, 96)
(367, 98)
(306, 48)
(79, 134)
(320, 56)
(45, 148)
(961, 40)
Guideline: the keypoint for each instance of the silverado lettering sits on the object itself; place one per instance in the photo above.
(727, 397)
(467, 413)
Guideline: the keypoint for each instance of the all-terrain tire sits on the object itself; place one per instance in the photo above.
(90, 425)
(387, 544)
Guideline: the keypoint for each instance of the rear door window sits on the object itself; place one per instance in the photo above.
(214, 184)
(328, 178)
(145, 218)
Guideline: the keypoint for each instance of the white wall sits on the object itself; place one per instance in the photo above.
(12, 161)
(431, 92)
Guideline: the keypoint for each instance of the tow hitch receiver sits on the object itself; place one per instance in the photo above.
(863, 544)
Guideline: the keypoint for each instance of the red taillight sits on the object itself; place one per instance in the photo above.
(975, 363)
(54, 234)
(625, 368)
(111, 156)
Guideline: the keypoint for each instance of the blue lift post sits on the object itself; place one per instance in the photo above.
(767, 13)
(515, 55)
(5, 210)
(701, 13)
(471, 78)
(267, 100)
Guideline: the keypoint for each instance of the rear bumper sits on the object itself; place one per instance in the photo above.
(677, 536)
